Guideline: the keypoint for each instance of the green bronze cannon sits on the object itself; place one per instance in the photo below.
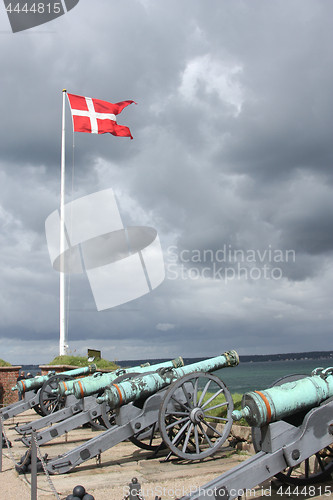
(189, 406)
(96, 383)
(293, 436)
(259, 408)
(31, 384)
(143, 386)
(37, 393)
(84, 409)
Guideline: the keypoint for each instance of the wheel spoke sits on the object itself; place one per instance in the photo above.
(187, 396)
(188, 434)
(212, 397)
(213, 428)
(177, 422)
(195, 394)
(197, 447)
(204, 392)
(152, 433)
(179, 403)
(216, 406)
(180, 432)
(213, 417)
(176, 413)
(320, 462)
(290, 471)
(206, 435)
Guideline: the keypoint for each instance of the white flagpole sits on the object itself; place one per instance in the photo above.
(62, 341)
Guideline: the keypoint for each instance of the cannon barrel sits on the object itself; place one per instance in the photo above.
(262, 407)
(67, 388)
(31, 384)
(98, 382)
(144, 386)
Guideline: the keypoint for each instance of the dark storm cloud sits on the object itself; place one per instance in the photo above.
(231, 147)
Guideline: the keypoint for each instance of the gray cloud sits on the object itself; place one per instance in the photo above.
(232, 146)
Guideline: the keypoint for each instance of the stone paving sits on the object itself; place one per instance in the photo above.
(109, 480)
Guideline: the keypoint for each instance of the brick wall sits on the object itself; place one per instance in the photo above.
(8, 376)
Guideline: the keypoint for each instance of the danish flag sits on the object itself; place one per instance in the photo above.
(97, 117)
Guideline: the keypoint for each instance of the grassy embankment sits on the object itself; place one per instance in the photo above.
(83, 361)
(4, 363)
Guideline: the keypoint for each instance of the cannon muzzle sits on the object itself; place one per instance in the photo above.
(262, 407)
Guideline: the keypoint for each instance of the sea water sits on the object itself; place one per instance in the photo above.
(256, 376)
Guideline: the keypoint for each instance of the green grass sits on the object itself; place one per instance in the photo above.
(4, 363)
(83, 361)
(222, 412)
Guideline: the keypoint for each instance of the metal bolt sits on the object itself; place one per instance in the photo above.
(295, 454)
(94, 413)
(138, 425)
(330, 429)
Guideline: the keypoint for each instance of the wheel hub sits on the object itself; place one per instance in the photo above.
(197, 415)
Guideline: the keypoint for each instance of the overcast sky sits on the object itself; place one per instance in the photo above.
(232, 151)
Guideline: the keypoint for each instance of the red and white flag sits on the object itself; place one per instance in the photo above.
(97, 117)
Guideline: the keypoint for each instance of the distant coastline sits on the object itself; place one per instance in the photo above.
(256, 358)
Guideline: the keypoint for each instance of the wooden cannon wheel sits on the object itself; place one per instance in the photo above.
(107, 419)
(148, 438)
(314, 469)
(37, 407)
(188, 420)
(48, 401)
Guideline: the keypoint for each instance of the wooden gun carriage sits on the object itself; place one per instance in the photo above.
(292, 431)
(180, 402)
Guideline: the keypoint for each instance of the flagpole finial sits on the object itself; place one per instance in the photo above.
(64, 90)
